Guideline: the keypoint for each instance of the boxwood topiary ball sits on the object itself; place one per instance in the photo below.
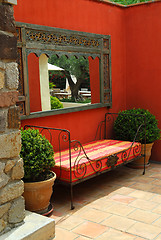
(128, 121)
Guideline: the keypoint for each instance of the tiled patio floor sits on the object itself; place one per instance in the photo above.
(120, 205)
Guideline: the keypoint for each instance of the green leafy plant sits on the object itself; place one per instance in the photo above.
(55, 103)
(128, 2)
(51, 85)
(127, 123)
(37, 154)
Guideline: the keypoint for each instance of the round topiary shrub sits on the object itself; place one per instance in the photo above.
(127, 123)
(55, 103)
(37, 154)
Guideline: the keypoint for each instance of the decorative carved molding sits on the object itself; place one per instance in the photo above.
(61, 39)
(48, 40)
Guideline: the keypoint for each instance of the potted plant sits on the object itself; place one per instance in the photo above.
(38, 158)
(126, 125)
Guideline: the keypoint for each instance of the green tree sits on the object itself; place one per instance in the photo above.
(73, 66)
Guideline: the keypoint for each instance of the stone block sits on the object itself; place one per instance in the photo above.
(4, 179)
(8, 99)
(4, 208)
(6, 19)
(2, 166)
(11, 191)
(14, 117)
(9, 165)
(12, 76)
(2, 65)
(8, 46)
(18, 170)
(3, 120)
(10, 145)
(1, 80)
(17, 211)
(35, 227)
(13, 2)
(2, 225)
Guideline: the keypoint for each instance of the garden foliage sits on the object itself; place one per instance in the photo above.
(128, 121)
(55, 103)
(37, 154)
(128, 2)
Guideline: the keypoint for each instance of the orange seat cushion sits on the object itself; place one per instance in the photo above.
(98, 153)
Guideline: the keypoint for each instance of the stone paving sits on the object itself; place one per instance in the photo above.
(120, 205)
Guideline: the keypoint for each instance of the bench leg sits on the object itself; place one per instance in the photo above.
(144, 165)
(71, 197)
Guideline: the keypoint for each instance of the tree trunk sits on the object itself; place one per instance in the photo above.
(74, 87)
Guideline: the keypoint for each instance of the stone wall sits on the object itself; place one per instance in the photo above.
(12, 207)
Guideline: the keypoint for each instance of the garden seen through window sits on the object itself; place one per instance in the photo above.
(62, 70)
(62, 82)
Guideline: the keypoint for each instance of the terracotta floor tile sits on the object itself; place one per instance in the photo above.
(95, 215)
(143, 204)
(156, 198)
(90, 229)
(80, 211)
(61, 234)
(56, 218)
(123, 182)
(139, 238)
(120, 209)
(141, 195)
(107, 200)
(156, 189)
(113, 234)
(119, 223)
(155, 169)
(157, 209)
(122, 198)
(143, 216)
(144, 230)
(101, 203)
(148, 173)
(142, 186)
(70, 222)
(157, 222)
(83, 238)
(157, 182)
(156, 175)
(143, 179)
(124, 190)
(83, 199)
(158, 237)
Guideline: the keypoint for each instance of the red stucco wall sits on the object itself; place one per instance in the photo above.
(143, 38)
(87, 16)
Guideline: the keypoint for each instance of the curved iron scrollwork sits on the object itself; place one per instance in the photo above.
(136, 150)
(125, 156)
(82, 161)
(64, 136)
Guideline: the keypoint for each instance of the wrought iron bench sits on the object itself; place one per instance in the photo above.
(76, 162)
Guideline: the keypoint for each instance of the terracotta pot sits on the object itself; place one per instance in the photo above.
(139, 163)
(37, 195)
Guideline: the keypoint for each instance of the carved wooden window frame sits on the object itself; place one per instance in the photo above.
(48, 40)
